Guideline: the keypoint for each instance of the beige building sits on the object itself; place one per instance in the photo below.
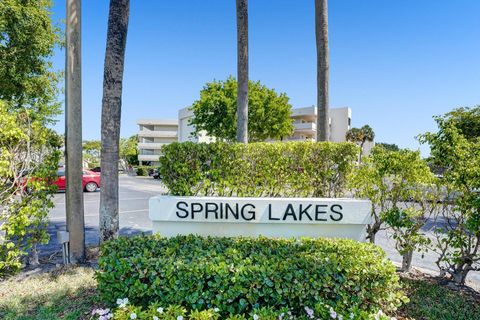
(152, 135)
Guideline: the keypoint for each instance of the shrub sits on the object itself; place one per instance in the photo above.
(283, 169)
(458, 153)
(390, 180)
(238, 275)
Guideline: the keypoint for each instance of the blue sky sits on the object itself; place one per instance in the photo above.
(396, 63)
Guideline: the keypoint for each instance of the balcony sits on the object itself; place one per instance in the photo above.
(158, 134)
(308, 127)
(151, 145)
(145, 157)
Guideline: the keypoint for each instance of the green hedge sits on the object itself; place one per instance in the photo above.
(238, 275)
(282, 169)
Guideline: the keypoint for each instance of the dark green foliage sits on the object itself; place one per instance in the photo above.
(289, 169)
(216, 111)
(466, 120)
(388, 146)
(237, 275)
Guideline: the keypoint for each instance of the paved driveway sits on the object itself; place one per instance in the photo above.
(134, 195)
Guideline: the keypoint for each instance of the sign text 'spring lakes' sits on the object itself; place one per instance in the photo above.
(270, 217)
(229, 211)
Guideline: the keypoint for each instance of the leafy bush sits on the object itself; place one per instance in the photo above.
(283, 169)
(389, 179)
(141, 172)
(456, 149)
(238, 275)
(29, 154)
(144, 170)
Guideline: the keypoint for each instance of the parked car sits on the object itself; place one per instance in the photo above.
(90, 180)
(155, 174)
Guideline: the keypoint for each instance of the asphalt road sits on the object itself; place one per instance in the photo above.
(134, 195)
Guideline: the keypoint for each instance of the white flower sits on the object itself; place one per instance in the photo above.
(333, 314)
(122, 303)
(180, 318)
(340, 317)
(379, 315)
(216, 309)
(133, 315)
(280, 317)
(160, 310)
(255, 317)
(352, 315)
(309, 312)
(155, 318)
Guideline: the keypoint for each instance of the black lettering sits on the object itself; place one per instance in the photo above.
(270, 213)
(228, 208)
(251, 212)
(290, 212)
(208, 210)
(199, 206)
(305, 211)
(339, 213)
(318, 212)
(182, 209)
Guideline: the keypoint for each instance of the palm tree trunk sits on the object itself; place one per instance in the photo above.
(111, 114)
(73, 133)
(323, 66)
(242, 71)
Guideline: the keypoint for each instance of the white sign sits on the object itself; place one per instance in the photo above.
(270, 217)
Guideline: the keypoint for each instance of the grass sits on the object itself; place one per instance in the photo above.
(429, 300)
(70, 294)
(65, 294)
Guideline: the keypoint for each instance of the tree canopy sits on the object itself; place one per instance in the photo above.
(216, 111)
(29, 149)
(27, 42)
(466, 120)
(129, 150)
(360, 135)
(388, 146)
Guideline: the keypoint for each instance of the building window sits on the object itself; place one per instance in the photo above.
(349, 121)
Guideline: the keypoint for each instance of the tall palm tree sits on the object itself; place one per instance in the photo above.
(111, 114)
(323, 66)
(242, 71)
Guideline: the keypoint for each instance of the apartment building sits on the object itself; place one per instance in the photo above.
(185, 130)
(305, 123)
(152, 135)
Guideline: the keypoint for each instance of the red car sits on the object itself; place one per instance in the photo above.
(90, 181)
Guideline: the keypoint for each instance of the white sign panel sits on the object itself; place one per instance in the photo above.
(271, 217)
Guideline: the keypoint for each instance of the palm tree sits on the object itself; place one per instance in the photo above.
(361, 136)
(242, 71)
(111, 113)
(323, 66)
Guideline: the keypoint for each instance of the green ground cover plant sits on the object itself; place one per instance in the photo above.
(238, 275)
(281, 169)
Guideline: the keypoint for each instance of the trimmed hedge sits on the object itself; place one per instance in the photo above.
(238, 275)
(280, 169)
